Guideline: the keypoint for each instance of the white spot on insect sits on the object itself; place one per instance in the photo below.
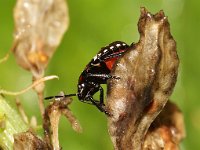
(124, 44)
(97, 64)
(118, 45)
(112, 47)
(105, 50)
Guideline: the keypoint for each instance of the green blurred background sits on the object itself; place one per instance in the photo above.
(93, 24)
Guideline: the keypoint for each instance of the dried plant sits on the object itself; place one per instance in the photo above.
(167, 130)
(39, 28)
(29, 141)
(51, 121)
(50, 125)
(148, 73)
(141, 116)
(39, 81)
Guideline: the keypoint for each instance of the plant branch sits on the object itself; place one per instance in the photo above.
(37, 82)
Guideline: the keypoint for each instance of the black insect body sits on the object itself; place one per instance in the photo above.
(97, 72)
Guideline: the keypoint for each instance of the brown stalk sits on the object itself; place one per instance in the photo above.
(51, 121)
(41, 80)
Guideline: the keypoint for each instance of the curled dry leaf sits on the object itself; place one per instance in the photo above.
(148, 73)
(167, 130)
(51, 121)
(39, 28)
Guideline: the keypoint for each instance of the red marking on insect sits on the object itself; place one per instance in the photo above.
(110, 63)
(80, 78)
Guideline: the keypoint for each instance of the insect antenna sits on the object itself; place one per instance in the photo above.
(59, 96)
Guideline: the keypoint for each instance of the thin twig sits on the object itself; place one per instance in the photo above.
(5, 92)
(41, 103)
(21, 111)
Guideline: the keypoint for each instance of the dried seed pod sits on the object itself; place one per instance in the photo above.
(147, 73)
(39, 28)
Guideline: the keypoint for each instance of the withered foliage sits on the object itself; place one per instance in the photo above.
(39, 28)
(51, 121)
(29, 141)
(167, 130)
(148, 73)
(141, 116)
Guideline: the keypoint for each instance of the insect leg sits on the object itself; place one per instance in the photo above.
(105, 76)
(98, 106)
(101, 96)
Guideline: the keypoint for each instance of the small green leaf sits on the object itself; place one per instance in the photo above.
(10, 123)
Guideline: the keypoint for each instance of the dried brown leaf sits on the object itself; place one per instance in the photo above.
(167, 130)
(148, 73)
(29, 141)
(39, 28)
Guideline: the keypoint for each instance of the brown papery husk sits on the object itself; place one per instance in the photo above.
(148, 73)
